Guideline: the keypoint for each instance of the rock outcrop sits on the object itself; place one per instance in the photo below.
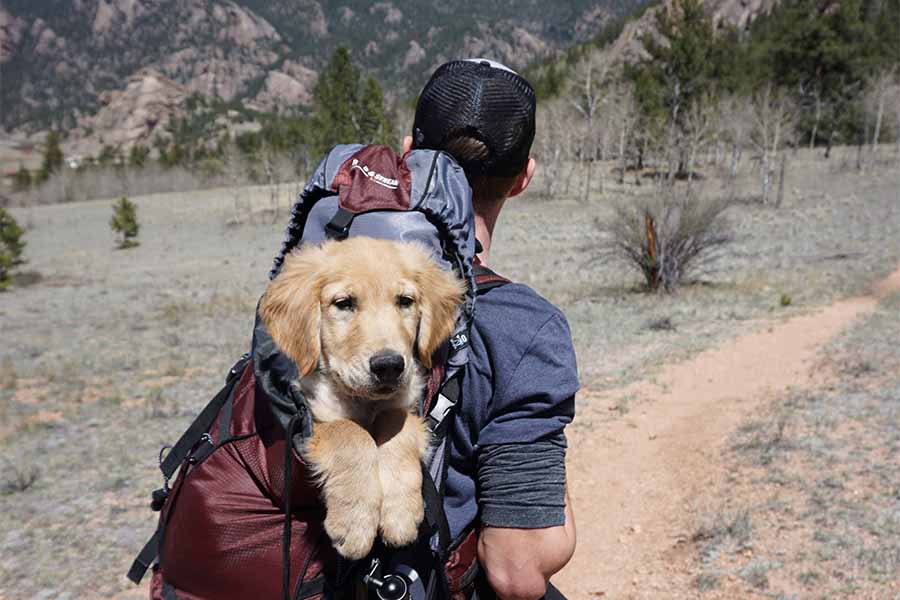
(134, 115)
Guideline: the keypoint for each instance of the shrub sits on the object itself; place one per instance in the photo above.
(18, 478)
(124, 222)
(11, 246)
(138, 155)
(668, 238)
(22, 180)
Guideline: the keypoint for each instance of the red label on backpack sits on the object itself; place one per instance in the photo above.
(374, 178)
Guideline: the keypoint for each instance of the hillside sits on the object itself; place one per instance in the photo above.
(60, 57)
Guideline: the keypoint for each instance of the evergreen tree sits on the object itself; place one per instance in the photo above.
(11, 246)
(22, 178)
(374, 126)
(53, 156)
(124, 222)
(683, 62)
(137, 157)
(346, 110)
(823, 50)
(336, 102)
(107, 156)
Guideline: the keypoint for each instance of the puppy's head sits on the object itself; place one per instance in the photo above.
(364, 311)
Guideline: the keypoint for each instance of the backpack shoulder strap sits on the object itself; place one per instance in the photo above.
(447, 395)
(486, 279)
(203, 422)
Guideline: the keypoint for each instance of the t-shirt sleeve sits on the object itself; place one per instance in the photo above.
(535, 399)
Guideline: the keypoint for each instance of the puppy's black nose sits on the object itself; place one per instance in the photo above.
(387, 367)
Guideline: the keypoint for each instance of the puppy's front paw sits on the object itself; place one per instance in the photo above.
(352, 529)
(401, 514)
(344, 457)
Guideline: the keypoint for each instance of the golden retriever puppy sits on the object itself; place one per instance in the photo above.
(362, 318)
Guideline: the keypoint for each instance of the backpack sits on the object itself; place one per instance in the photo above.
(242, 504)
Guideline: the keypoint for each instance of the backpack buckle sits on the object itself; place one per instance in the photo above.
(159, 498)
(338, 228)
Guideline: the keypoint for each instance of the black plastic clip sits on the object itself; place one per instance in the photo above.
(338, 228)
(159, 498)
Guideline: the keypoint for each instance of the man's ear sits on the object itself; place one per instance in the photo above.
(440, 293)
(407, 143)
(290, 309)
(523, 179)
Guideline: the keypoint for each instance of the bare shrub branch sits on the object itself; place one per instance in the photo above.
(18, 478)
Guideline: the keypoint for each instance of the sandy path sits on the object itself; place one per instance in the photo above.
(635, 480)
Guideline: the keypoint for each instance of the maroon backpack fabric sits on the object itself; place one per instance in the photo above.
(222, 524)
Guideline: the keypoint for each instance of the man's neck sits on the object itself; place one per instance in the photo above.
(484, 231)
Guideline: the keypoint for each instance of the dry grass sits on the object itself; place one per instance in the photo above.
(818, 477)
(82, 185)
(114, 352)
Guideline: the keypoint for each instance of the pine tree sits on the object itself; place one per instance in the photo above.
(124, 223)
(11, 247)
(682, 66)
(137, 157)
(374, 125)
(823, 50)
(336, 102)
(22, 179)
(53, 156)
(346, 110)
(685, 61)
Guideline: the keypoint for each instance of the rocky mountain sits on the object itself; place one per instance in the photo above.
(65, 63)
(734, 13)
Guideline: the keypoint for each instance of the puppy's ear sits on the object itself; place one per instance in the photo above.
(441, 294)
(290, 308)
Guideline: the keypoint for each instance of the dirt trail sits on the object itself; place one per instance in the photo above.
(636, 480)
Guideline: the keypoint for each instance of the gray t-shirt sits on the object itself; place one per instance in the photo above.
(507, 447)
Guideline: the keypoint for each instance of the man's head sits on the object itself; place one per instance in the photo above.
(483, 114)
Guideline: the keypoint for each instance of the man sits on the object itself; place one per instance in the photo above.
(507, 465)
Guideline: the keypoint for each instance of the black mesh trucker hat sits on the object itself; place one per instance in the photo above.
(480, 99)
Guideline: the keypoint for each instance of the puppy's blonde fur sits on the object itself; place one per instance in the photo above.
(332, 309)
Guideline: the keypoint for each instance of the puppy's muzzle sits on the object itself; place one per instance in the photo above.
(387, 368)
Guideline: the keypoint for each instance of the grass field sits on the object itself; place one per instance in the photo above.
(107, 355)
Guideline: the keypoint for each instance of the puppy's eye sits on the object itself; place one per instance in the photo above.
(344, 303)
(405, 301)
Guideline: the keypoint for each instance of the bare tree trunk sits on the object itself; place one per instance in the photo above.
(812, 136)
(879, 116)
(781, 171)
(600, 179)
(735, 157)
(861, 142)
(587, 180)
(622, 161)
(897, 134)
(830, 143)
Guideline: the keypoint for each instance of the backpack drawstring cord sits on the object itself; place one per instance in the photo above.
(286, 533)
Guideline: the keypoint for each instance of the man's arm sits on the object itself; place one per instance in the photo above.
(528, 532)
(519, 562)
